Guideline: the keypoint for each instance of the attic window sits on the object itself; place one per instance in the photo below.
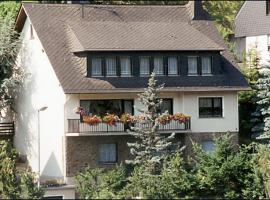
(267, 7)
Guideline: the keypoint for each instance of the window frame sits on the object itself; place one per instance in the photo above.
(102, 70)
(149, 66)
(177, 65)
(120, 67)
(105, 61)
(197, 73)
(108, 162)
(122, 103)
(211, 67)
(212, 107)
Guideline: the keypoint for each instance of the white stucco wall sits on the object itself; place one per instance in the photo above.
(186, 103)
(42, 88)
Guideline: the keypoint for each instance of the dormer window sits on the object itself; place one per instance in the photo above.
(111, 66)
(206, 65)
(193, 65)
(158, 65)
(144, 66)
(96, 66)
(172, 65)
(125, 66)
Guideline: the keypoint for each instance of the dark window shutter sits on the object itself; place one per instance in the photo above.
(165, 65)
(118, 66)
(216, 64)
(135, 66)
(183, 65)
(103, 64)
(89, 66)
(199, 65)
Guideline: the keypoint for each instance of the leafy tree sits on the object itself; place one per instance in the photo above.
(247, 102)
(226, 173)
(261, 116)
(99, 183)
(11, 76)
(150, 147)
(13, 183)
(9, 9)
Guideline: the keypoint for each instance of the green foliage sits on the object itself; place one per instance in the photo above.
(15, 184)
(261, 116)
(9, 9)
(99, 183)
(263, 165)
(247, 102)
(227, 173)
(150, 147)
(11, 76)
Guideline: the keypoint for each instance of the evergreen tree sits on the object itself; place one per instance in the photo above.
(261, 116)
(150, 147)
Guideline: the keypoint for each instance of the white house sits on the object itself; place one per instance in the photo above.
(252, 29)
(99, 57)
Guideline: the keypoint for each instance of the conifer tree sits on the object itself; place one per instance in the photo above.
(261, 116)
(150, 147)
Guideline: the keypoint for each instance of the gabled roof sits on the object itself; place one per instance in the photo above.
(252, 19)
(67, 28)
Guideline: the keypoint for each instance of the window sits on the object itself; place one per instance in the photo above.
(208, 146)
(108, 153)
(96, 67)
(192, 65)
(167, 105)
(111, 66)
(144, 66)
(172, 66)
(206, 64)
(101, 107)
(210, 107)
(125, 66)
(158, 66)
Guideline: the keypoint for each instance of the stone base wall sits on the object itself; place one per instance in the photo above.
(83, 151)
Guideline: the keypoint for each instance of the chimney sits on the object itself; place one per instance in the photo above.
(196, 10)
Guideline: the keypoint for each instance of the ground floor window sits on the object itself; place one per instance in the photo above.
(108, 153)
(208, 146)
(210, 107)
(167, 105)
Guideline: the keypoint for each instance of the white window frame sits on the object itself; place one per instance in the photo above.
(211, 66)
(177, 67)
(111, 75)
(149, 62)
(208, 96)
(197, 66)
(130, 66)
(93, 75)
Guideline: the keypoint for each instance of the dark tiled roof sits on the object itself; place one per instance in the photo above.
(62, 30)
(252, 20)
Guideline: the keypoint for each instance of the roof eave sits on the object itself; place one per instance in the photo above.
(174, 89)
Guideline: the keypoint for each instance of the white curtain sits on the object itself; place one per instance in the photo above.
(107, 153)
(144, 65)
(206, 65)
(96, 67)
(192, 65)
(158, 65)
(172, 66)
(111, 66)
(125, 66)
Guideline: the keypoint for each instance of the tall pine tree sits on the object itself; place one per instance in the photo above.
(150, 147)
(261, 116)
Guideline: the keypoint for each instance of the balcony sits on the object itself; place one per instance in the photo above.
(77, 128)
